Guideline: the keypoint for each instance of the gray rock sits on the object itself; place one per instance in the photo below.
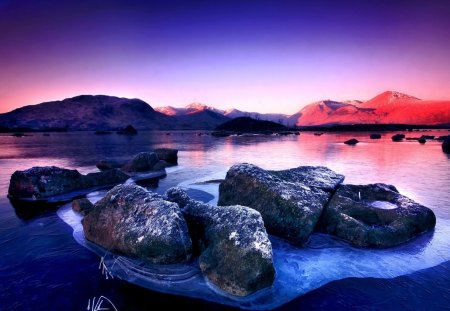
(167, 154)
(142, 162)
(374, 216)
(83, 206)
(236, 254)
(135, 222)
(289, 209)
(312, 176)
(48, 181)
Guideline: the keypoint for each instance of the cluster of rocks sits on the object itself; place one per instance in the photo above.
(49, 182)
(233, 247)
(297, 202)
(400, 137)
(231, 241)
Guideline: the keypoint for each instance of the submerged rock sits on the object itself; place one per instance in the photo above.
(236, 254)
(83, 206)
(167, 154)
(446, 145)
(48, 181)
(351, 142)
(144, 161)
(141, 224)
(289, 209)
(374, 216)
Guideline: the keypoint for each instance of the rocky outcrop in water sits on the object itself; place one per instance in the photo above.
(351, 142)
(48, 181)
(142, 162)
(375, 136)
(374, 216)
(289, 209)
(235, 251)
(135, 222)
(128, 130)
(398, 137)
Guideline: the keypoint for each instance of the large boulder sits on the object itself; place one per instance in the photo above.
(374, 215)
(167, 154)
(48, 181)
(135, 222)
(446, 145)
(236, 254)
(289, 209)
(142, 162)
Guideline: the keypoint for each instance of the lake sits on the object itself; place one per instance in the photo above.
(42, 267)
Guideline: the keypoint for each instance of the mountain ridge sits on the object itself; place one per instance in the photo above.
(103, 112)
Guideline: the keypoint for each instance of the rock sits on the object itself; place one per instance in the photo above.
(289, 209)
(142, 162)
(104, 165)
(375, 136)
(167, 154)
(236, 254)
(446, 145)
(83, 206)
(137, 223)
(48, 181)
(427, 137)
(312, 176)
(374, 216)
(109, 177)
(422, 140)
(160, 165)
(398, 137)
(351, 142)
(128, 130)
(318, 134)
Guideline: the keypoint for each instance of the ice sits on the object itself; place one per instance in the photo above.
(298, 270)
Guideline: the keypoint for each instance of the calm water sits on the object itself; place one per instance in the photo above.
(42, 267)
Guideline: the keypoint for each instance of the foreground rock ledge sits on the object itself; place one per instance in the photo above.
(137, 223)
(236, 254)
(374, 216)
(290, 207)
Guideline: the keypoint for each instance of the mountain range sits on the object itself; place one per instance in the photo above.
(101, 112)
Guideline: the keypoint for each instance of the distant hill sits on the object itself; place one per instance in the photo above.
(246, 124)
(101, 112)
(386, 108)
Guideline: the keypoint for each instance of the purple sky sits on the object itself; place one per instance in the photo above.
(267, 56)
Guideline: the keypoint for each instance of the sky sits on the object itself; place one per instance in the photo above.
(254, 55)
